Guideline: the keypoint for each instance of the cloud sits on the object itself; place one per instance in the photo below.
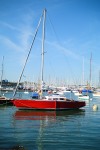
(65, 51)
(9, 44)
(7, 25)
(19, 37)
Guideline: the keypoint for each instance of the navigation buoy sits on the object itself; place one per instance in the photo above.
(95, 107)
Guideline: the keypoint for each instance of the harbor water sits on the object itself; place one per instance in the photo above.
(47, 130)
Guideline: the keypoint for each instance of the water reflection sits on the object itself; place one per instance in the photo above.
(42, 115)
(38, 127)
(48, 117)
(46, 130)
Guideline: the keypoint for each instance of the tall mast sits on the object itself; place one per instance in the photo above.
(2, 73)
(90, 68)
(99, 79)
(43, 38)
(83, 73)
(2, 70)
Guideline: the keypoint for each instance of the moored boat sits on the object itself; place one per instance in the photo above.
(56, 102)
(84, 97)
(96, 94)
(48, 103)
(5, 101)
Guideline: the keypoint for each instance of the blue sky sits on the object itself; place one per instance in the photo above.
(72, 34)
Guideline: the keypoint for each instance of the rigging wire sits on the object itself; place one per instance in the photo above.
(28, 55)
(62, 50)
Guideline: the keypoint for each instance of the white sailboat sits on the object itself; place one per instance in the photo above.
(83, 97)
(3, 98)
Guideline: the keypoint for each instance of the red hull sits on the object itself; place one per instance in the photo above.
(47, 104)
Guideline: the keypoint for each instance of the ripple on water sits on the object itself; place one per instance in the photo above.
(72, 130)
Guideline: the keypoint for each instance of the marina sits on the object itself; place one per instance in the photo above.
(49, 75)
(41, 130)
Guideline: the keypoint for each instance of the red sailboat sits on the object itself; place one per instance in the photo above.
(54, 102)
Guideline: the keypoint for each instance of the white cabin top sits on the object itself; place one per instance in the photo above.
(55, 97)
